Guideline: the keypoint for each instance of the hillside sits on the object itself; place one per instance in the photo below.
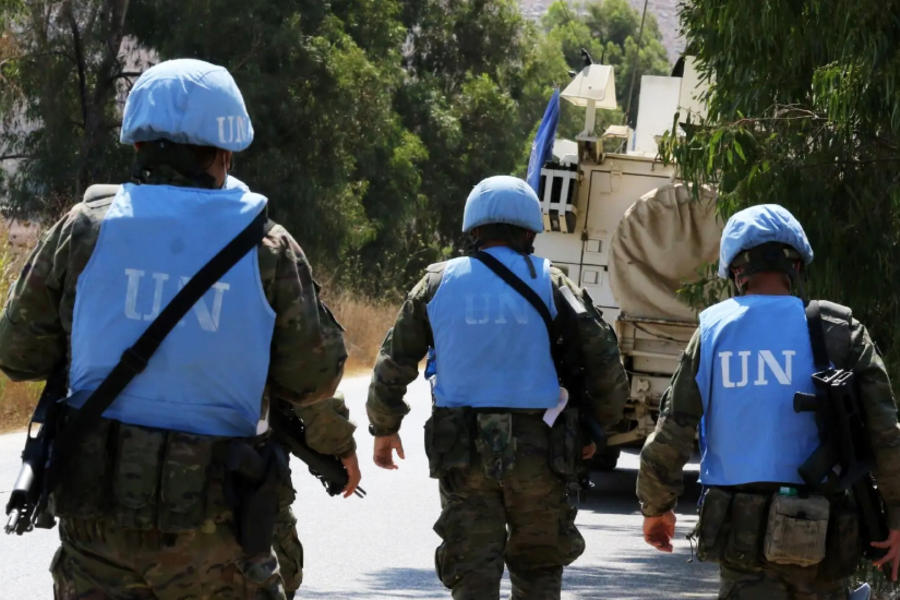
(666, 12)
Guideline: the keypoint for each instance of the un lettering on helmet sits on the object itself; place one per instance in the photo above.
(187, 101)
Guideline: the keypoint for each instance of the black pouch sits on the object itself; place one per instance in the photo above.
(712, 529)
(448, 440)
(84, 485)
(843, 549)
(496, 443)
(564, 444)
(255, 477)
(747, 526)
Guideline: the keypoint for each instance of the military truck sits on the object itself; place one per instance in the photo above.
(623, 227)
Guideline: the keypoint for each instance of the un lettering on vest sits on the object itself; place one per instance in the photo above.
(498, 309)
(765, 361)
(207, 316)
(232, 128)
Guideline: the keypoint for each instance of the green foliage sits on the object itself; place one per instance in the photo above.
(61, 69)
(804, 112)
(373, 118)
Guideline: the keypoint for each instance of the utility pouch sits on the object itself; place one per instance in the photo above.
(495, 443)
(564, 444)
(183, 481)
(712, 527)
(84, 485)
(747, 528)
(796, 531)
(448, 440)
(843, 549)
(136, 476)
(255, 477)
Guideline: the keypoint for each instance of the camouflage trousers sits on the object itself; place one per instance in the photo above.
(778, 582)
(288, 550)
(98, 560)
(523, 520)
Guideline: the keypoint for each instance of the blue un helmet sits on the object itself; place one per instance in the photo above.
(187, 101)
(765, 237)
(503, 199)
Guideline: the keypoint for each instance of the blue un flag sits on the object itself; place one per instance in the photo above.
(542, 147)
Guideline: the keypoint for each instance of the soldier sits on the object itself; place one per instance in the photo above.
(504, 473)
(740, 372)
(152, 504)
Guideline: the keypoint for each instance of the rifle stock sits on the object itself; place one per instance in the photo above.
(291, 433)
(27, 505)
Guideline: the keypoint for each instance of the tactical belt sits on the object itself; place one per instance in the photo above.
(135, 359)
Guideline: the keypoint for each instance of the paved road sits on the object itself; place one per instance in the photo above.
(383, 546)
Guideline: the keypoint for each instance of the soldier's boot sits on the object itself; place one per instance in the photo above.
(476, 585)
(536, 584)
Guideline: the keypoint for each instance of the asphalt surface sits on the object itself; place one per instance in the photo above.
(383, 546)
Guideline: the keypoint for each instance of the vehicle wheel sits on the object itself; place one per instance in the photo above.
(606, 459)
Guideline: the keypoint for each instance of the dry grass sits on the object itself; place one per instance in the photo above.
(17, 399)
(365, 322)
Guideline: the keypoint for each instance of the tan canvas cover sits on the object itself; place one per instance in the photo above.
(659, 245)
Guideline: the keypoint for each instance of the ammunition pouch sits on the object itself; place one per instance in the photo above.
(712, 526)
(565, 447)
(495, 443)
(746, 530)
(255, 478)
(796, 531)
(146, 478)
(448, 440)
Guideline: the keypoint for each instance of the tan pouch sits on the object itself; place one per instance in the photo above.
(797, 530)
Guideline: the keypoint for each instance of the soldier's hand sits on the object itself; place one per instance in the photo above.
(385, 445)
(892, 557)
(659, 531)
(351, 464)
(588, 452)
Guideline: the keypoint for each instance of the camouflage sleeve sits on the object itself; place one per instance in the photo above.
(881, 416)
(669, 447)
(308, 352)
(328, 426)
(606, 384)
(33, 328)
(398, 360)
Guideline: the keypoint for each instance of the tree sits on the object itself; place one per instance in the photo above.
(330, 152)
(610, 30)
(804, 112)
(62, 65)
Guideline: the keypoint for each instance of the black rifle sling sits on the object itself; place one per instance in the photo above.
(817, 335)
(520, 286)
(135, 358)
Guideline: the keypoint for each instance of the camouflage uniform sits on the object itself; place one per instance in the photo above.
(174, 538)
(667, 450)
(520, 515)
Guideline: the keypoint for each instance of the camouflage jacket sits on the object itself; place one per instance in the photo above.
(670, 446)
(307, 355)
(406, 344)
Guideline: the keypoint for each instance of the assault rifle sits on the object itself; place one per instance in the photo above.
(844, 459)
(291, 433)
(27, 505)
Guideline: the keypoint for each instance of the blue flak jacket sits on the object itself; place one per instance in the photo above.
(755, 354)
(491, 347)
(208, 375)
